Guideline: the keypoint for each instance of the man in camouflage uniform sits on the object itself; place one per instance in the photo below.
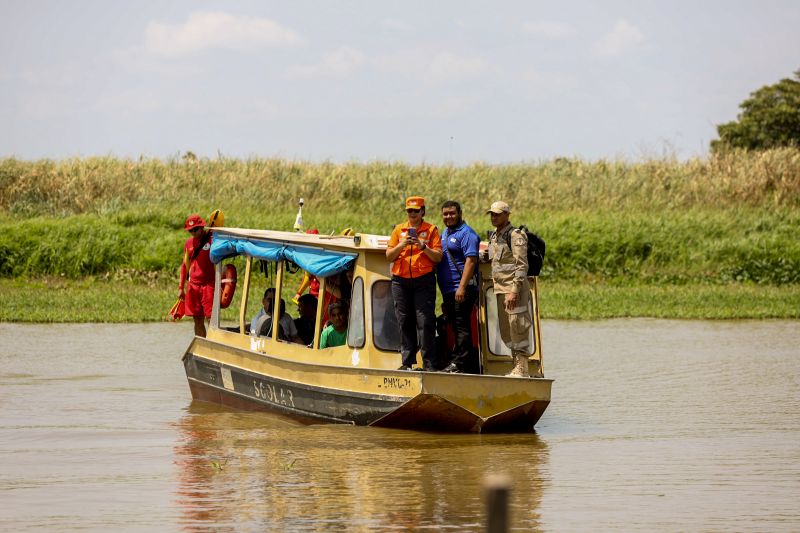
(508, 251)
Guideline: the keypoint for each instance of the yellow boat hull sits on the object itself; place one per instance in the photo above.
(311, 392)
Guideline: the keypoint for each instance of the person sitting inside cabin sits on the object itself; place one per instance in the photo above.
(261, 325)
(336, 332)
(305, 323)
(338, 288)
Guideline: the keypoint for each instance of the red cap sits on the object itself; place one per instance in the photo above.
(194, 221)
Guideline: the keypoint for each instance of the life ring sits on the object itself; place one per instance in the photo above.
(228, 286)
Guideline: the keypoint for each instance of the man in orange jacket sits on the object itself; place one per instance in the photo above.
(414, 248)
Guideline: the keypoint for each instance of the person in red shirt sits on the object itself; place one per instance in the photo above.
(414, 249)
(198, 269)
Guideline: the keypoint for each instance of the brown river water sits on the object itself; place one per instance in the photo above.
(655, 425)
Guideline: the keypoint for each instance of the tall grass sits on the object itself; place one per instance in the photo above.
(109, 185)
(704, 245)
(733, 217)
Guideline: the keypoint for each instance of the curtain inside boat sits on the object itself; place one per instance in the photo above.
(316, 261)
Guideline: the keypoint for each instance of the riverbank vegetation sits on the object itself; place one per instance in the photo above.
(60, 299)
(710, 237)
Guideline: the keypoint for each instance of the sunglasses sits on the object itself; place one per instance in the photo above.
(413, 210)
(194, 230)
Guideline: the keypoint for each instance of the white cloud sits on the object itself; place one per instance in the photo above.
(447, 66)
(624, 37)
(139, 61)
(43, 105)
(52, 77)
(129, 102)
(425, 65)
(547, 84)
(453, 106)
(549, 29)
(208, 30)
(339, 62)
(397, 25)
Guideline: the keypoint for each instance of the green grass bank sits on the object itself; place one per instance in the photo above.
(125, 300)
(704, 238)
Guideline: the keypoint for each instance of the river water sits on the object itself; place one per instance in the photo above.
(655, 425)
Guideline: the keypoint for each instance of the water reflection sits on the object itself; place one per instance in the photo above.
(259, 471)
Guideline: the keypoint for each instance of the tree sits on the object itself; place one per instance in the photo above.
(770, 118)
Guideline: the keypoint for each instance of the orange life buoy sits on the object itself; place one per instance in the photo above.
(228, 286)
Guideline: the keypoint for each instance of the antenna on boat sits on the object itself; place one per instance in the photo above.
(450, 177)
(298, 220)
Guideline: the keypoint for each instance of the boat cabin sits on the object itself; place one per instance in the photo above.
(258, 269)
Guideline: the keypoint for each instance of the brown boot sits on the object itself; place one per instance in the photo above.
(520, 369)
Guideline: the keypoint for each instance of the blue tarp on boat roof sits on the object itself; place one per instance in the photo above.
(316, 261)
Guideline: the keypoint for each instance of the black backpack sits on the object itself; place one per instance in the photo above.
(536, 249)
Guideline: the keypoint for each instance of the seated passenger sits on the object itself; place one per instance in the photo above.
(305, 323)
(338, 287)
(336, 332)
(261, 325)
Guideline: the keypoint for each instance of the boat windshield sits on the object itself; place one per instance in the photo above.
(496, 344)
(356, 334)
(385, 329)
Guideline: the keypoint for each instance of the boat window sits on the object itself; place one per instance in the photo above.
(306, 321)
(385, 329)
(356, 334)
(262, 285)
(495, 341)
(296, 284)
(337, 289)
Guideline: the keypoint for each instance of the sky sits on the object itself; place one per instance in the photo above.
(439, 82)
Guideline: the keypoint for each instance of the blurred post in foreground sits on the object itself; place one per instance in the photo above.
(497, 489)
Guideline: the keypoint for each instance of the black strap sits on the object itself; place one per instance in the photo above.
(449, 257)
(507, 237)
(203, 241)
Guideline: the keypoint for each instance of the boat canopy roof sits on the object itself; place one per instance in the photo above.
(320, 262)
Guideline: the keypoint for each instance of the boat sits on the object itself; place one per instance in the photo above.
(359, 382)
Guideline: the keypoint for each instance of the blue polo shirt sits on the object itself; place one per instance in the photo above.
(459, 242)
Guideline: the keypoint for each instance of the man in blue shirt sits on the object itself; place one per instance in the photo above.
(456, 277)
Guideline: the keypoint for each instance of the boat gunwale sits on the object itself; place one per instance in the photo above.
(361, 370)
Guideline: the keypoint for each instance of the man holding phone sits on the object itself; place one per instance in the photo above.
(414, 249)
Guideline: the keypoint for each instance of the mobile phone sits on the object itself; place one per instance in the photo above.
(412, 232)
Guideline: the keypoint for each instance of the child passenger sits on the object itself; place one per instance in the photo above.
(336, 332)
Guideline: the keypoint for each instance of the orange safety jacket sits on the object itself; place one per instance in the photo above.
(412, 261)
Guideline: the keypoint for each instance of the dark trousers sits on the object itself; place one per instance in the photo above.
(459, 316)
(415, 307)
